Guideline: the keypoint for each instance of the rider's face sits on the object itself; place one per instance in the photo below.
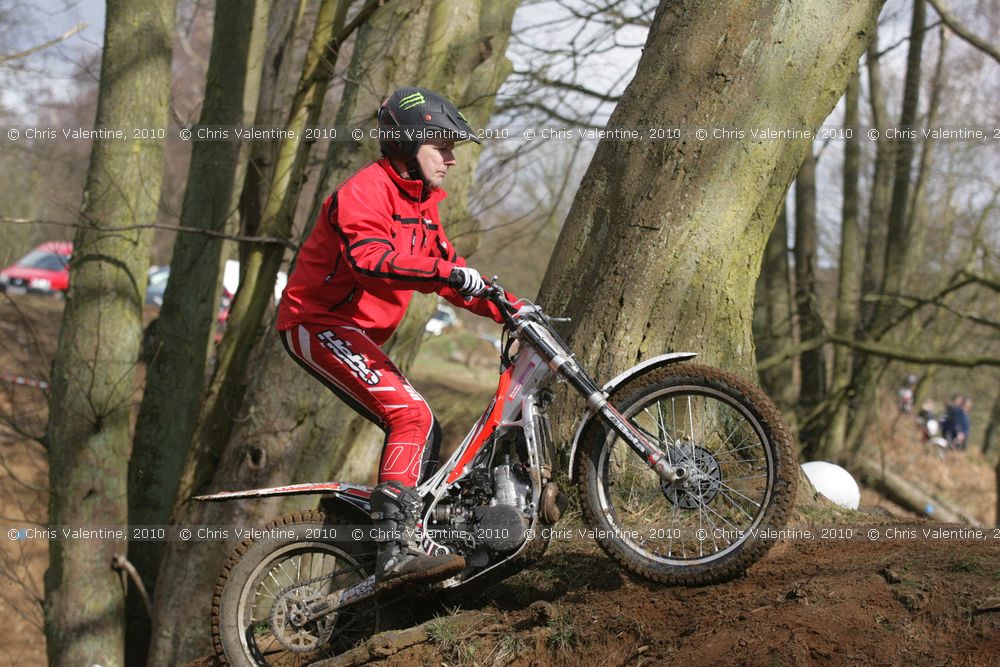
(434, 158)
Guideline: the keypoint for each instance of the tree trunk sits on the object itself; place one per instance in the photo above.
(878, 204)
(186, 324)
(991, 437)
(900, 224)
(279, 75)
(94, 372)
(812, 365)
(848, 284)
(664, 240)
(905, 493)
(773, 314)
(917, 207)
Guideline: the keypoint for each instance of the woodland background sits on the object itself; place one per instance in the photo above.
(829, 270)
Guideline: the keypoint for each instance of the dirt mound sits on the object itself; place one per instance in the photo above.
(837, 601)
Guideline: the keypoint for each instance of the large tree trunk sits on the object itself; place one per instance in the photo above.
(93, 377)
(186, 324)
(848, 285)
(812, 365)
(663, 244)
(773, 315)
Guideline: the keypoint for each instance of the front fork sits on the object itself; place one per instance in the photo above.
(562, 363)
(654, 457)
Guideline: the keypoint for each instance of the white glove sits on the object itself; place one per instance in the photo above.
(466, 281)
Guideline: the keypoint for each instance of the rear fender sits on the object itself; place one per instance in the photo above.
(356, 498)
(645, 367)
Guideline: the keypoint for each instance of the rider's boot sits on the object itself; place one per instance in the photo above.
(395, 510)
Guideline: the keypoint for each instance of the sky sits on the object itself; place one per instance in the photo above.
(48, 73)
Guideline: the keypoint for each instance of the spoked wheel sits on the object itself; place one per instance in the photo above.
(736, 484)
(258, 610)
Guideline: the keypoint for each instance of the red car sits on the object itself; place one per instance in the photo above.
(44, 270)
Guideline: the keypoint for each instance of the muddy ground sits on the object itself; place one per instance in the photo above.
(901, 599)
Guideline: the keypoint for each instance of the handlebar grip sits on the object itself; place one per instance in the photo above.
(455, 279)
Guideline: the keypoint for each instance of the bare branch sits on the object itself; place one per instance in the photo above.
(537, 106)
(540, 80)
(173, 228)
(880, 350)
(898, 354)
(41, 47)
(952, 22)
(986, 281)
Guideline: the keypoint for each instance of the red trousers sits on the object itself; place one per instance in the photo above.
(353, 367)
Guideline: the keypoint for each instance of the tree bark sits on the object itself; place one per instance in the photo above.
(94, 372)
(187, 319)
(281, 68)
(663, 242)
(917, 208)
(848, 285)
(812, 365)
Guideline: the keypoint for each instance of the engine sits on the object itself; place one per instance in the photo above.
(499, 526)
(488, 518)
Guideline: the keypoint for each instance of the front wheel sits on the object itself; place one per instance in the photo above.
(739, 484)
(294, 560)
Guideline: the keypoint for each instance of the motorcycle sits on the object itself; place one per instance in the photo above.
(685, 472)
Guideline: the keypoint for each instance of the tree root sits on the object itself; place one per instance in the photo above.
(388, 643)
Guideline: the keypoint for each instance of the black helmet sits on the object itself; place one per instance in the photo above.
(411, 116)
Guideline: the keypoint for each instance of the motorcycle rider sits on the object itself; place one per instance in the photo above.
(378, 238)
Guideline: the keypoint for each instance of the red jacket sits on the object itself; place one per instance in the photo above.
(374, 242)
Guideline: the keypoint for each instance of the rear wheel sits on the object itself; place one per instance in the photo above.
(267, 581)
(738, 484)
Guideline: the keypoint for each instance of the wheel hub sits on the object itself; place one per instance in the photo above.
(701, 481)
(291, 626)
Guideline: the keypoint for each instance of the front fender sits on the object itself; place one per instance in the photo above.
(609, 388)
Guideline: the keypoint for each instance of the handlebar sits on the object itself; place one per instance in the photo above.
(497, 295)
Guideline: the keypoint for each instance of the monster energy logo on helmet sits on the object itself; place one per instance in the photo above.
(414, 100)
(411, 116)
